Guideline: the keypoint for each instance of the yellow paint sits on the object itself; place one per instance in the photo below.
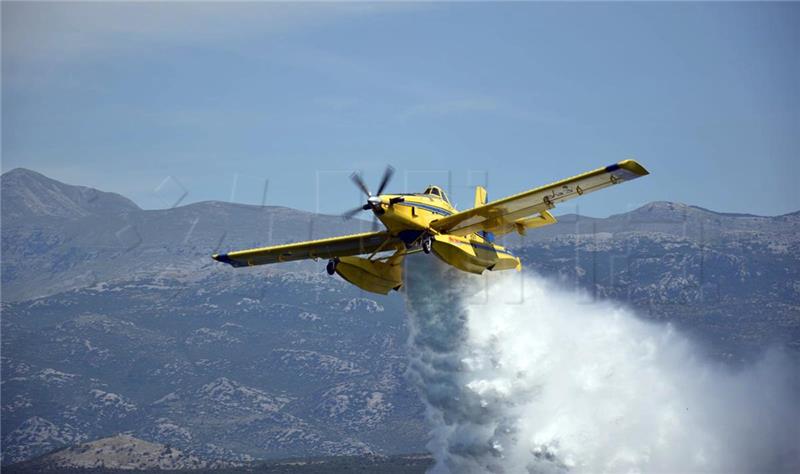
(473, 255)
(371, 275)
(480, 196)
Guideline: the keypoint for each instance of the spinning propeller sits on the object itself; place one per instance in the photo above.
(373, 200)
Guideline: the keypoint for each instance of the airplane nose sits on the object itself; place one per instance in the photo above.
(377, 205)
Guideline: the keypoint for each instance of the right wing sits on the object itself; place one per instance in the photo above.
(345, 245)
(506, 214)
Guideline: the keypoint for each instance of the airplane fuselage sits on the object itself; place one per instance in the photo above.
(412, 211)
(409, 216)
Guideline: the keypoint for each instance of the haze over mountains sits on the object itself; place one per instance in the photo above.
(115, 319)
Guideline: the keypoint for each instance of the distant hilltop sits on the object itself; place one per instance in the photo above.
(122, 452)
(125, 453)
(26, 193)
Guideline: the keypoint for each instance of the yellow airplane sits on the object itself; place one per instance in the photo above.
(427, 222)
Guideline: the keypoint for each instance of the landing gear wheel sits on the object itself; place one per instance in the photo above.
(331, 267)
(427, 244)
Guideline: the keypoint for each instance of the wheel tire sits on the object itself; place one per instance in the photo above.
(331, 266)
(427, 244)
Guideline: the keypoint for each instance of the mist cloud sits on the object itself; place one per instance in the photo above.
(556, 384)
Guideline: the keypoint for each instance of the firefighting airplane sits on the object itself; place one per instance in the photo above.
(427, 222)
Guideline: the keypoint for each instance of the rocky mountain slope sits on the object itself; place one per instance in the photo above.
(109, 237)
(121, 452)
(394, 464)
(27, 194)
(115, 320)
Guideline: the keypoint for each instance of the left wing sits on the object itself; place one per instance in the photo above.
(355, 244)
(505, 215)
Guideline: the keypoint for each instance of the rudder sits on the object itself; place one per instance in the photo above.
(480, 196)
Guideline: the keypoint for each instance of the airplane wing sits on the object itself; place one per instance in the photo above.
(355, 244)
(503, 215)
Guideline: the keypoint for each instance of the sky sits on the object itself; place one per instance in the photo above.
(173, 103)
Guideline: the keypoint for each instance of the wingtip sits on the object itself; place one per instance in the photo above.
(224, 258)
(634, 167)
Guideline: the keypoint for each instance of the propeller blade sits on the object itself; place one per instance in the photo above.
(387, 175)
(374, 223)
(352, 212)
(356, 178)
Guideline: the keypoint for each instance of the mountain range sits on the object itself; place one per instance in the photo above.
(115, 320)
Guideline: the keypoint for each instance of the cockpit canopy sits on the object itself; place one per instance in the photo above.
(436, 191)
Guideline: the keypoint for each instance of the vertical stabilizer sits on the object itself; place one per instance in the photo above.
(480, 196)
(480, 200)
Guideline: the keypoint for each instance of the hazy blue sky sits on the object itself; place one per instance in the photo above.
(151, 99)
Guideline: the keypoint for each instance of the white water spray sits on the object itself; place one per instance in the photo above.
(519, 376)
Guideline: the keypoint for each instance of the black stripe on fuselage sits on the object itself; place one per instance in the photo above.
(427, 207)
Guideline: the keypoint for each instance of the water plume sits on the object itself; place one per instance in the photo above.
(518, 375)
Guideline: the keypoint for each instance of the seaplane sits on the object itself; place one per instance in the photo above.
(427, 222)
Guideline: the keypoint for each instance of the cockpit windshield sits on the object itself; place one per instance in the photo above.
(436, 191)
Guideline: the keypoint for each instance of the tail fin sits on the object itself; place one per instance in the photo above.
(480, 200)
(480, 196)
